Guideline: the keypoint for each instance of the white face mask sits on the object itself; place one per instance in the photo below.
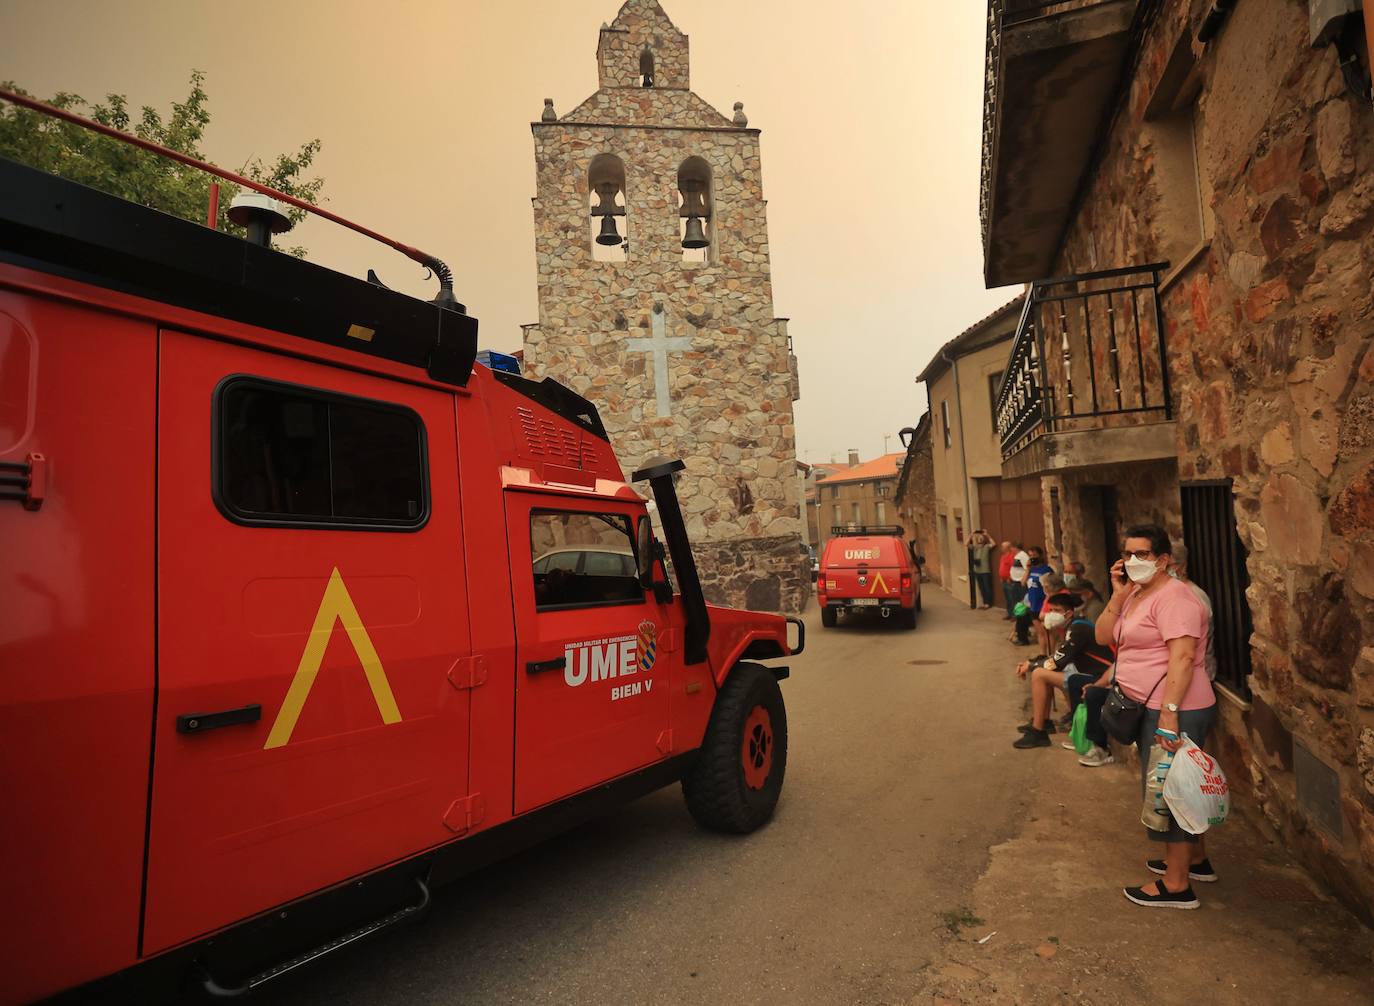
(1140, 571)
(1054, 620)
(1070, 580)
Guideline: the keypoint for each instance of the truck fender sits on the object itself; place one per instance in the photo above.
(755, 645)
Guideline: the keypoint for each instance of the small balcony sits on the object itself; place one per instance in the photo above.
(1053, 71)
(1087, 381)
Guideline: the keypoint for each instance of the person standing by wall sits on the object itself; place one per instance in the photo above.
(980, 563)
(1180, 572)
(1004, 574)
(1035, 594)
(1093, 605)
(1160, 631)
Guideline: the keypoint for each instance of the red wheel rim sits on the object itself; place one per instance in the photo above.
(757, 749)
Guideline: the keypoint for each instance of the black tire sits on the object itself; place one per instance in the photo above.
(719, 795)
(918, 600)
(907, 618)
(828, 617)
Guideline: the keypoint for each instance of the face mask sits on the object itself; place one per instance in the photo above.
(1070, 580)
(1140, 571)
(1054, 620)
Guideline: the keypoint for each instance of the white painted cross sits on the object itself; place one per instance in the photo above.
(660, 345)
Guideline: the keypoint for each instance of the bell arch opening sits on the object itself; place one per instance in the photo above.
(646, 67)
(696, 205)
(606, 202)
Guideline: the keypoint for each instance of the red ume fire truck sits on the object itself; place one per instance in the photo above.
(304, 613)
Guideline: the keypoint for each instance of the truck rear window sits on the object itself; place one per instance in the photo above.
(288, 455)
(582, 559)
(841, 552)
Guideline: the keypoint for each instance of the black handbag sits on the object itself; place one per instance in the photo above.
(1121, 714)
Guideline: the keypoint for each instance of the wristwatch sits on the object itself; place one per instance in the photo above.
(1171, 706)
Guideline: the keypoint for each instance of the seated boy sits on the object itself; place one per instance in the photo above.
(1078, 660)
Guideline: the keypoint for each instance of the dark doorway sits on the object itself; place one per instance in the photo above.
(1216, 563)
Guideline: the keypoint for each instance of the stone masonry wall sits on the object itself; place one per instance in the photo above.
(1270, 330)
(1145, 494)
(732, 389)
(919, 499)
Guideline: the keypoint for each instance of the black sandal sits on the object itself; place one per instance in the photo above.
(1166, 898)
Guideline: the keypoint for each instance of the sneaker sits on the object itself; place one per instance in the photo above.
(1201, 872)
(1184, 899)
(1096, 758)
(1067, 745)
(1029, 725)
(1032, 739)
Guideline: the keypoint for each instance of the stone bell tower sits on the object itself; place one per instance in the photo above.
(655, 302)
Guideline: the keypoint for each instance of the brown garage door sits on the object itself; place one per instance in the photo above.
(1011, 510)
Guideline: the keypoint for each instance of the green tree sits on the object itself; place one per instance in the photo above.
(138, 175)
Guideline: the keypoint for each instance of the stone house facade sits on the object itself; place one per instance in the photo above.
(916, 495)
(655, 302)
(1203, 357)
(969, 490)
(817, 474)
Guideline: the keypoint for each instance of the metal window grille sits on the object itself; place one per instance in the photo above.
(1216, 563)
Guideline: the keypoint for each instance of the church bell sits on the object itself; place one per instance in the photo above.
(609, 235)
(694, 208)
(607, 210)
(695, 237)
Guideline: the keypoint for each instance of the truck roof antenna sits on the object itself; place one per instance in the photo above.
(434, 264)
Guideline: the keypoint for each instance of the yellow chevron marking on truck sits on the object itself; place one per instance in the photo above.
(335, 606)
(879, 581)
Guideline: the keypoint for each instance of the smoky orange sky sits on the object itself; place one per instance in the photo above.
(871, 112)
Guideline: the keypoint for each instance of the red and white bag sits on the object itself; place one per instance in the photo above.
(1196, 789)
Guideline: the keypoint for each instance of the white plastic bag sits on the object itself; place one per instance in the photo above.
(1196, 789)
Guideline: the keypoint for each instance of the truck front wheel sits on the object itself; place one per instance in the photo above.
(737, 777)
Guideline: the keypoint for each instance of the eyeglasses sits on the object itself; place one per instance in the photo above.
(1140, 553)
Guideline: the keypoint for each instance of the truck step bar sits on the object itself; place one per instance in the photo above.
(218, 991)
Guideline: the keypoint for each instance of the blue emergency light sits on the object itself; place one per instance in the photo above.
(498, 361)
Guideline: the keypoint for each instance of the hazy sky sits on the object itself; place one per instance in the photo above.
(871, 114)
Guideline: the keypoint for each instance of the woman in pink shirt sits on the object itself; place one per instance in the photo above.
(1160, 632)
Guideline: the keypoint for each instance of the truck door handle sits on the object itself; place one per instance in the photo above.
(538, 666)
(197, 723)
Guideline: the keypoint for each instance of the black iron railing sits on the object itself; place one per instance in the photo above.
(1089, 351)
(1217, 564)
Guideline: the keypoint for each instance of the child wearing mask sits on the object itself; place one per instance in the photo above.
(1079, 654)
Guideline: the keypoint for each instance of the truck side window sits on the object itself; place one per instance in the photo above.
(582, 560)
(287, 455)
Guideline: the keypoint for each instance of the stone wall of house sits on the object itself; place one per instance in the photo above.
(731, 387)
(918, 500)
(1145, 493)
(1270, 327)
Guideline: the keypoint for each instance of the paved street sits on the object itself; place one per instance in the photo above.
(897, 785)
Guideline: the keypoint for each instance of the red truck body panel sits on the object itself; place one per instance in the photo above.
(76, 640)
